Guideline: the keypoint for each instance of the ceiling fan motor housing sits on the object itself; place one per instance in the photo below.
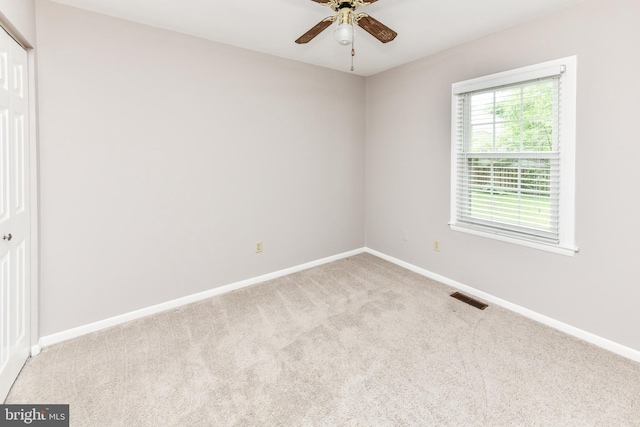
(345, 16)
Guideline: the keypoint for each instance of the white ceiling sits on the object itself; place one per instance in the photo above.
(424, 26)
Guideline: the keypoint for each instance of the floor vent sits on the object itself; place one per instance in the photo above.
(473, 302)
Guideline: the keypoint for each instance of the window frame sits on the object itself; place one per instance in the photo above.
(567, 67)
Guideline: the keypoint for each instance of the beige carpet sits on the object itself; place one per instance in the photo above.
(358, 342)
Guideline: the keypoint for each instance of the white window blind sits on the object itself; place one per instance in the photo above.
(508, 156)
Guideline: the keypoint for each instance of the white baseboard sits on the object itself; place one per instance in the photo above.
(556, 324)
(170, 305)
(117, 320)
(36, 349)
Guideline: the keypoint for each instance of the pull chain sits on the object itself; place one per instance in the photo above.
(353, 49)
(353, 53)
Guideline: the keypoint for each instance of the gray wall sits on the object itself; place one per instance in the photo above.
(408, 170)
(165, 157)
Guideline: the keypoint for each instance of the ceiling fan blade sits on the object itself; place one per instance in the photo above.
(376, 28)
(317, 29)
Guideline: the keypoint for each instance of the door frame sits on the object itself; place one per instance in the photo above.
(34, 173)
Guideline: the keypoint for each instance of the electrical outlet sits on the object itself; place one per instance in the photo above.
(436, 245)
(259, 246)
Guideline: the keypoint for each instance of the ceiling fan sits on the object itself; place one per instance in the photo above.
(346, 16)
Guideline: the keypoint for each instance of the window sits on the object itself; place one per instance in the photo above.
(513, 156)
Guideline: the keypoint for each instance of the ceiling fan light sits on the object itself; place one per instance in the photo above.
(344, 34)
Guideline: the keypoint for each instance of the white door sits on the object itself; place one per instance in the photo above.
(14, 212)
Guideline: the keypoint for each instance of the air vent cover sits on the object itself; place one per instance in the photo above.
(472, 302)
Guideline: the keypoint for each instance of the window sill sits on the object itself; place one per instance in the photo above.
(561, 250)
